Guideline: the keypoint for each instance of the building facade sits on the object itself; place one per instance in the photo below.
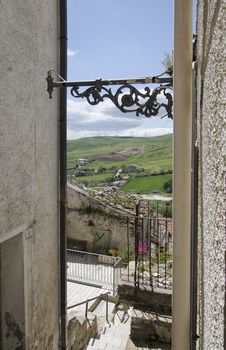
(29, 229)
(211, 106)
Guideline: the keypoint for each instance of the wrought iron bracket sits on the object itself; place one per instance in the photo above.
(126, 98)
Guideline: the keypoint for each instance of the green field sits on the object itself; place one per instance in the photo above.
(157, 153)
(146, 184)
(155, 157)
(94, 178)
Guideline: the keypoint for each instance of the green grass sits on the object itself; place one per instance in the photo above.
(95, 178)
(157, 156)
(157, 153)
(146, 184)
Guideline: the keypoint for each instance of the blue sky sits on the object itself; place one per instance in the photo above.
(116, 39)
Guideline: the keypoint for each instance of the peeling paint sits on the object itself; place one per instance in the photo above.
(14, 331)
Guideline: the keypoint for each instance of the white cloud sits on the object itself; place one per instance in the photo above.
(104, 119)
(72, 52)
(133, 132)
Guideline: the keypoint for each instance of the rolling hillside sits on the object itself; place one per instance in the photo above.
(149, 155)
(155, 154)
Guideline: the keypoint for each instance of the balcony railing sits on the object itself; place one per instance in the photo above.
(94, 269)
(146, 249)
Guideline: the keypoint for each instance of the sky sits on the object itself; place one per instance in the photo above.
(116, 39)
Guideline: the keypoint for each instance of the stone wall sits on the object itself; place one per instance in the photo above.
(81, 330)
(144, 298)
(29, 47)
(211, 105)
(150, 330)
(100, 225)
(151, 319)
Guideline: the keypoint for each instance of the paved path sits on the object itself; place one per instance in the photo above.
(77, 293)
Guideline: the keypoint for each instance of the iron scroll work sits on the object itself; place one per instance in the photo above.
(126, 98)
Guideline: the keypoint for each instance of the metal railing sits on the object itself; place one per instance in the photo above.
(100, 297)
(146, 249)
(153, 252)
(94, 269)
(149, 250)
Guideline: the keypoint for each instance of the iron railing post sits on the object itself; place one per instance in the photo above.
(114, 279)
(136, 279)
(165, 242)
(150, 254)
(86, 309)
(107, 308)
(128, 247)
(158, 244)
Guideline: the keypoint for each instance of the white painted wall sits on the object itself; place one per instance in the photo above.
(28, 161)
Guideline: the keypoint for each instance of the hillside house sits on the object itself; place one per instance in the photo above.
(132, 169)
(83, 161)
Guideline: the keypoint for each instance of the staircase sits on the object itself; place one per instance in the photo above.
(115, 335)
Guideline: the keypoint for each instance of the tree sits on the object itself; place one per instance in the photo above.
(167, 187)
(168, 62)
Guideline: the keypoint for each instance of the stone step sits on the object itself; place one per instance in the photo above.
(92, 343)
(113, 337)
(99, 346)
(131, 346)
(151, 330)
(116, 340)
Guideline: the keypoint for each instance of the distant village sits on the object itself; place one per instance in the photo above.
(121, 175)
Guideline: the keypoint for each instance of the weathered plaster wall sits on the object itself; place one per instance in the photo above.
(101, 226)
(28, 160)
(12, 293)
(211, 104)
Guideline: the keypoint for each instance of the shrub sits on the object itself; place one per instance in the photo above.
(167, 187)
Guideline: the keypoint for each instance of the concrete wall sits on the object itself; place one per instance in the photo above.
(29, 161)
(211, 103)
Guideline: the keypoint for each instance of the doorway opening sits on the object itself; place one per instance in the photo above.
(119, 194)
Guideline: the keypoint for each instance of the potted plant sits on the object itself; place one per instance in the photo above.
(113, 251)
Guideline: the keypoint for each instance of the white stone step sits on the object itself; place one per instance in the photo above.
(107, 347)
(112, 339)
(114, 336)
(116, 333)
(95, 345)
(118, 338)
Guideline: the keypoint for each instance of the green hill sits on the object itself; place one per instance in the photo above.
(156, 154)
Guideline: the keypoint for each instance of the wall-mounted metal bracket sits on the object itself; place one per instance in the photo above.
(127, 98)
